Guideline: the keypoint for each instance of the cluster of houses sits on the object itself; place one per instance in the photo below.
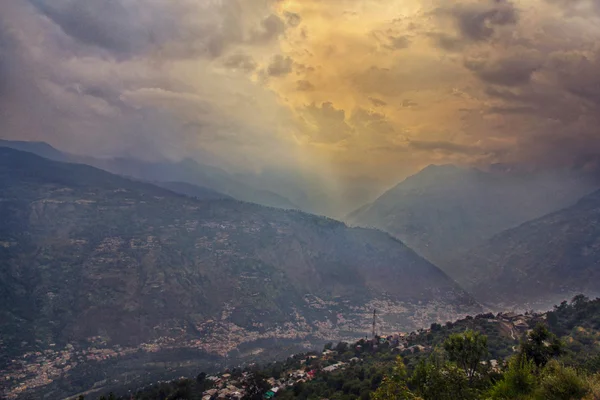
(226, 387)
(519, 322)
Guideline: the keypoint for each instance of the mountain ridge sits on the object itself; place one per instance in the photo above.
(550, 257)
(187, 171)
(443, 211)
(95, 260)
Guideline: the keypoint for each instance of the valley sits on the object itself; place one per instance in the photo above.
(112, 282)
(122, 270)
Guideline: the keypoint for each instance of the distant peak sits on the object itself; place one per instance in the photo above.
(8, 143)
(42, 149)
(434, 170)
(440, 167)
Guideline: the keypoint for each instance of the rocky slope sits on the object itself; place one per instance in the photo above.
(91, 260)
(541, 262)
(445, 210)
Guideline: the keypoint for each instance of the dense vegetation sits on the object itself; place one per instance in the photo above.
(557, 359)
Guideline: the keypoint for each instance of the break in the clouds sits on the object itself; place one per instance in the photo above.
(346, 88)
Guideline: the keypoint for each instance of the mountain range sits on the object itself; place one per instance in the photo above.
(540, 262)
(449, 214)
(444, 211)
(92, 260)
(178, 175)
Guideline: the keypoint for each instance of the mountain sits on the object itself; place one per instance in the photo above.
(192, 172)
(97, 266)
(540, 262)
(42, 149)
(184, 171)
(198, 192)
(445, 210)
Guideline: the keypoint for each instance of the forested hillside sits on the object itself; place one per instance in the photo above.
(554, 355)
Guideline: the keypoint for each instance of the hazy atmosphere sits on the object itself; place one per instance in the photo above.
(344, 97)
(300, 199)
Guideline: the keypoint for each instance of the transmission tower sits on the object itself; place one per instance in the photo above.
(374, 321)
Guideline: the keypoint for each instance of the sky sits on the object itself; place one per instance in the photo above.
(356, 94)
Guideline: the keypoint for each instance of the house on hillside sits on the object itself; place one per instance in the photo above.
(334, 367)
(416, 348)
(521, 326)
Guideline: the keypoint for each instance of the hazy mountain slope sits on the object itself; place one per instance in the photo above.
(198, 192)
(541, 261)
(185, 171)
(190, 171)
(445, 210)
(42, 149)
(87, 257)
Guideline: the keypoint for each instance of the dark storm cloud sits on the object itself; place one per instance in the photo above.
(107, 24)
(271, 28)
(557, 116)
(475, 21)
(478, 21)
(447, 42)
(62, 87)
(578, 74)
(129, 28)
(510, 70)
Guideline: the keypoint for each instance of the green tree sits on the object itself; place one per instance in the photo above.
(541, 345)
(467, 350)
(518, 382)
(341, 347)
(561, 383)
(552, 318)
(361, 374)
(393, 386)
(201, 378)
(579, 301)
(440, 380)
(257, 386)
